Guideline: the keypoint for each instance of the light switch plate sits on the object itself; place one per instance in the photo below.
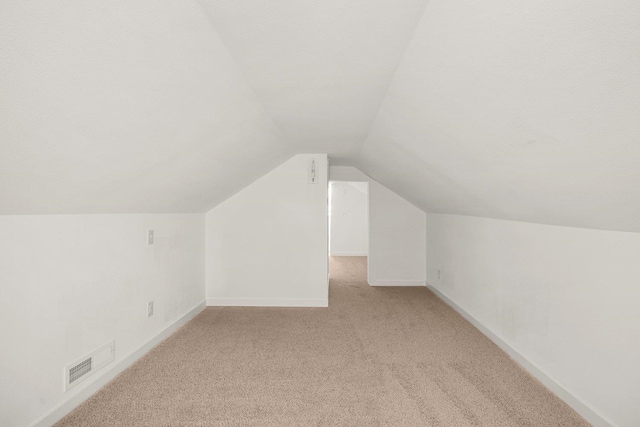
(313, 171)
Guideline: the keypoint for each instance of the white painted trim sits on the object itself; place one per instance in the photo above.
(590, 414)
(348, 254)
(398, 283)
(266, 302)
(64, 408)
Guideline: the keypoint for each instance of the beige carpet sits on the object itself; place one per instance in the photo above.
(377, 357)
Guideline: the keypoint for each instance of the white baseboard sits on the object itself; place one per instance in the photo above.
(57, 413)
(397, 283)
(266, 302)
(580, 407)
(348, 254)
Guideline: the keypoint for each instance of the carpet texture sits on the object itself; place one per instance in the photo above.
(376, 357)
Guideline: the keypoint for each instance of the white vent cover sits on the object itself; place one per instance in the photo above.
(84, 367)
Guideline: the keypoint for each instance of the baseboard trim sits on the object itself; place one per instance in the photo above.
(348, 254)
(64, 408)
(266, 302)
(398, 283)
(578, 405)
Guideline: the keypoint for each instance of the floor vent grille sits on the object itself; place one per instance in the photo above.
(85, 367)
(78, 371)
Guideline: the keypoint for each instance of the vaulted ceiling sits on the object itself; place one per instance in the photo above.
(507, 109)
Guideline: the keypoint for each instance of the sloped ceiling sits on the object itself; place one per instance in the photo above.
(321, 68)
(124, 106)
(521, 110)
(508, 109)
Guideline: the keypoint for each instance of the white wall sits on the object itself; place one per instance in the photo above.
(565, 298)
(397, 234)
(72, 283)
(267, 245)
(349, 219)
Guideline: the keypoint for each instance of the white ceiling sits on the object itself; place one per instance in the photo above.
(508, 109)
(321, 68)
(124, 106)
(517, 110)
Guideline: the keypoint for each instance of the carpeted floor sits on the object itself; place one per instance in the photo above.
(376, 357)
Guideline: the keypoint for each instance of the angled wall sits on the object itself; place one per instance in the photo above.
(564, 299)
(267, 245)
(73, 283)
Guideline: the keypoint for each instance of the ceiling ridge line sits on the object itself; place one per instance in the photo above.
(239, 70)
(391, 80)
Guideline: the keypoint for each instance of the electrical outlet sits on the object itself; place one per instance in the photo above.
(150, 309)
(150, 237)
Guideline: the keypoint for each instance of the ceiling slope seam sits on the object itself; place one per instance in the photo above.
(391, 80)
(259, 101)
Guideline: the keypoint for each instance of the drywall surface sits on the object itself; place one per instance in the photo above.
(124, 107)
(519, 110)
(267, 245)
(321, 68)
(397, 251)
(564, 298)
(72, 283)
(349, 219)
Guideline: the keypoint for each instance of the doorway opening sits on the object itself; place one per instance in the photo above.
(348, 230)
